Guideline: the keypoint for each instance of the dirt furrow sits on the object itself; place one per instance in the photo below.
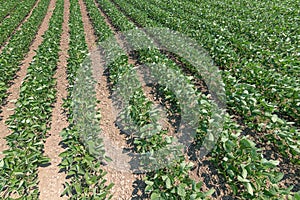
(124, 181)
(150, 91)
(14, 90)
(204, 171)
(19, 26)
(50, 177)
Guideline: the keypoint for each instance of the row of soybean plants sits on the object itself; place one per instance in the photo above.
(232, 153)
(160, 178)
(81, 159)
(167, 183)
(257, 45)
(9, 24)
(30, 122)
(130, 11)
(284, 93)
(250, 55)
(243, 98)
(276, 32)
(228, 45)
(13, 53)
(6, 8)
(273, 78)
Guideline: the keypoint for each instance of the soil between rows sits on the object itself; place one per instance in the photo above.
(123, 179)
(51, 179)
(14, 90)
(127, 184)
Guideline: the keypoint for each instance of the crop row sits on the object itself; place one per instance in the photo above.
(239, 154)
(228, 45)
(14, 52)
(121, 73)
(162, 178)
(30, 121)
(81, 159)
(236, 157)
(9, 24)
(131, 12)
(278, 38)
(243, 98)
(6, 8)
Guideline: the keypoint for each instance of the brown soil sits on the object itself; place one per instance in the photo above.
(123, 179)
(19, 26)
(14, 90)
(126, 184)
(50, 177)
(206, 172)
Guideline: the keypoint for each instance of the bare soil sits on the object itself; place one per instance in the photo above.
(14, 90)
(114, 141)
(51, 180)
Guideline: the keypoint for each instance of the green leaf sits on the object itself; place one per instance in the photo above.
(210, 192)
(164, 177)
(190, 165)
(78, 188)
(181, 190)
(149, 182)
(23, 88)
(20, 184)
(297, 196)
(244, 173)
(243, 179)
(1, 163)
(270, 162)
(148, 188)
(247, 143)
(274, 118)
(193, 196)
(249, 188)
(155, 196)
(168, 140)
(70, 173)
(18, 173)
(168, 183)
(98, 116)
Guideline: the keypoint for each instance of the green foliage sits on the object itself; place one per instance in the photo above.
(8, 25)
(138, 110)
(242, 164)
(247, 79)
(30, 121)
(81, 159)
(6, 8)
(13, 53)
(254, 57)
(246, 95)
(174, 183)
